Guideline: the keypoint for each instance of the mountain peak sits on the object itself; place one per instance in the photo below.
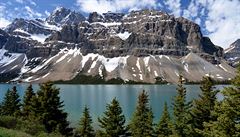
(232, 54)
(59, 9)
(236, 43)
(62, 16)
(233, 46)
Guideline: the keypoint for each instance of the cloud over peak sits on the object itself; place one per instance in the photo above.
(102, 6)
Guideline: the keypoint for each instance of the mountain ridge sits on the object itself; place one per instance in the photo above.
(232, 54)
(57, 48)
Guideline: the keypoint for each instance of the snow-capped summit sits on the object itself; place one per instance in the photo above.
(62, 16)
(39, 30)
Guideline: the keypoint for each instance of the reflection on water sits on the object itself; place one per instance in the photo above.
(96, 97)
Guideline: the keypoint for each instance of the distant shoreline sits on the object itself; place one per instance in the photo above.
(98, 80)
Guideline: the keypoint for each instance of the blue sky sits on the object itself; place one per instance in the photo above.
(219, 19)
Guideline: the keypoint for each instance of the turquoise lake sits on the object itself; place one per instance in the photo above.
(96, 97)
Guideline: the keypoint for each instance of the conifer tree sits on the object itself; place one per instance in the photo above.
(141, 124)
(85, 127)
(202, 107)
(11, 103)
(164, 127)
(227, 112)
(49, 109)
(27, 101)
(181, 112)
(113, 120)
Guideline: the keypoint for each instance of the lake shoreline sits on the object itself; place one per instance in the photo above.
(76, 96)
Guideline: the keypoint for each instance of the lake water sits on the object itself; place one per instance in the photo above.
(96, 97)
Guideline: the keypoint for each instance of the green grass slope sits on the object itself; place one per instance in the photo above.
(12, 133)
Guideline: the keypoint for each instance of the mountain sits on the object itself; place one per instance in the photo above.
(141, 46)
(232, 54)
(62, 16)
(139, 33)
(39, 30)
(105, 17)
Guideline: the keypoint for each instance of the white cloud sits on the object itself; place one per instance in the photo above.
(198, 21)
(221, 18)
(174, 6)
(223, 21)
(32, 2)
(26, 1)
(2, 8)
(47, 13)
(19, 1)
(32, 13)
(102, 6)
(4, 22)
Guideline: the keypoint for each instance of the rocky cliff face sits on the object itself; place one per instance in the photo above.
(138, 46)
(3, 38)
(14, 43)
(29, 26)
(138, 33)
(105, 17)
(232, 54)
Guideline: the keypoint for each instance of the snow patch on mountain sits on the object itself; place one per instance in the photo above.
(108, 24)
(221, 66)
(38, 37)
(52, 27)
(110, 64)
(34, 70)
(68, 52)
(155, 73)
(124, 35)
(28, 79)
(146, 61)
(141, 76)
(138, 64)
(87, 57)
(25, 68)
(92, 66)
(46, 75)
(7, 58)
(229, 49)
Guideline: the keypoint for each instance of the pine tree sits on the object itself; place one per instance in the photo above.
(11, 103)
(85, 129)
(202, 107)
(164, 127)
(181, 111)
(49, 109)
(27, 101)
(113, 120)
(236, 80)
(141, 124)
(227, 112)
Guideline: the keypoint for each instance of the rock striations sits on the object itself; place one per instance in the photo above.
(140, 46)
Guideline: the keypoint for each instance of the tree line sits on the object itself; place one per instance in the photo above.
(202, 117)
